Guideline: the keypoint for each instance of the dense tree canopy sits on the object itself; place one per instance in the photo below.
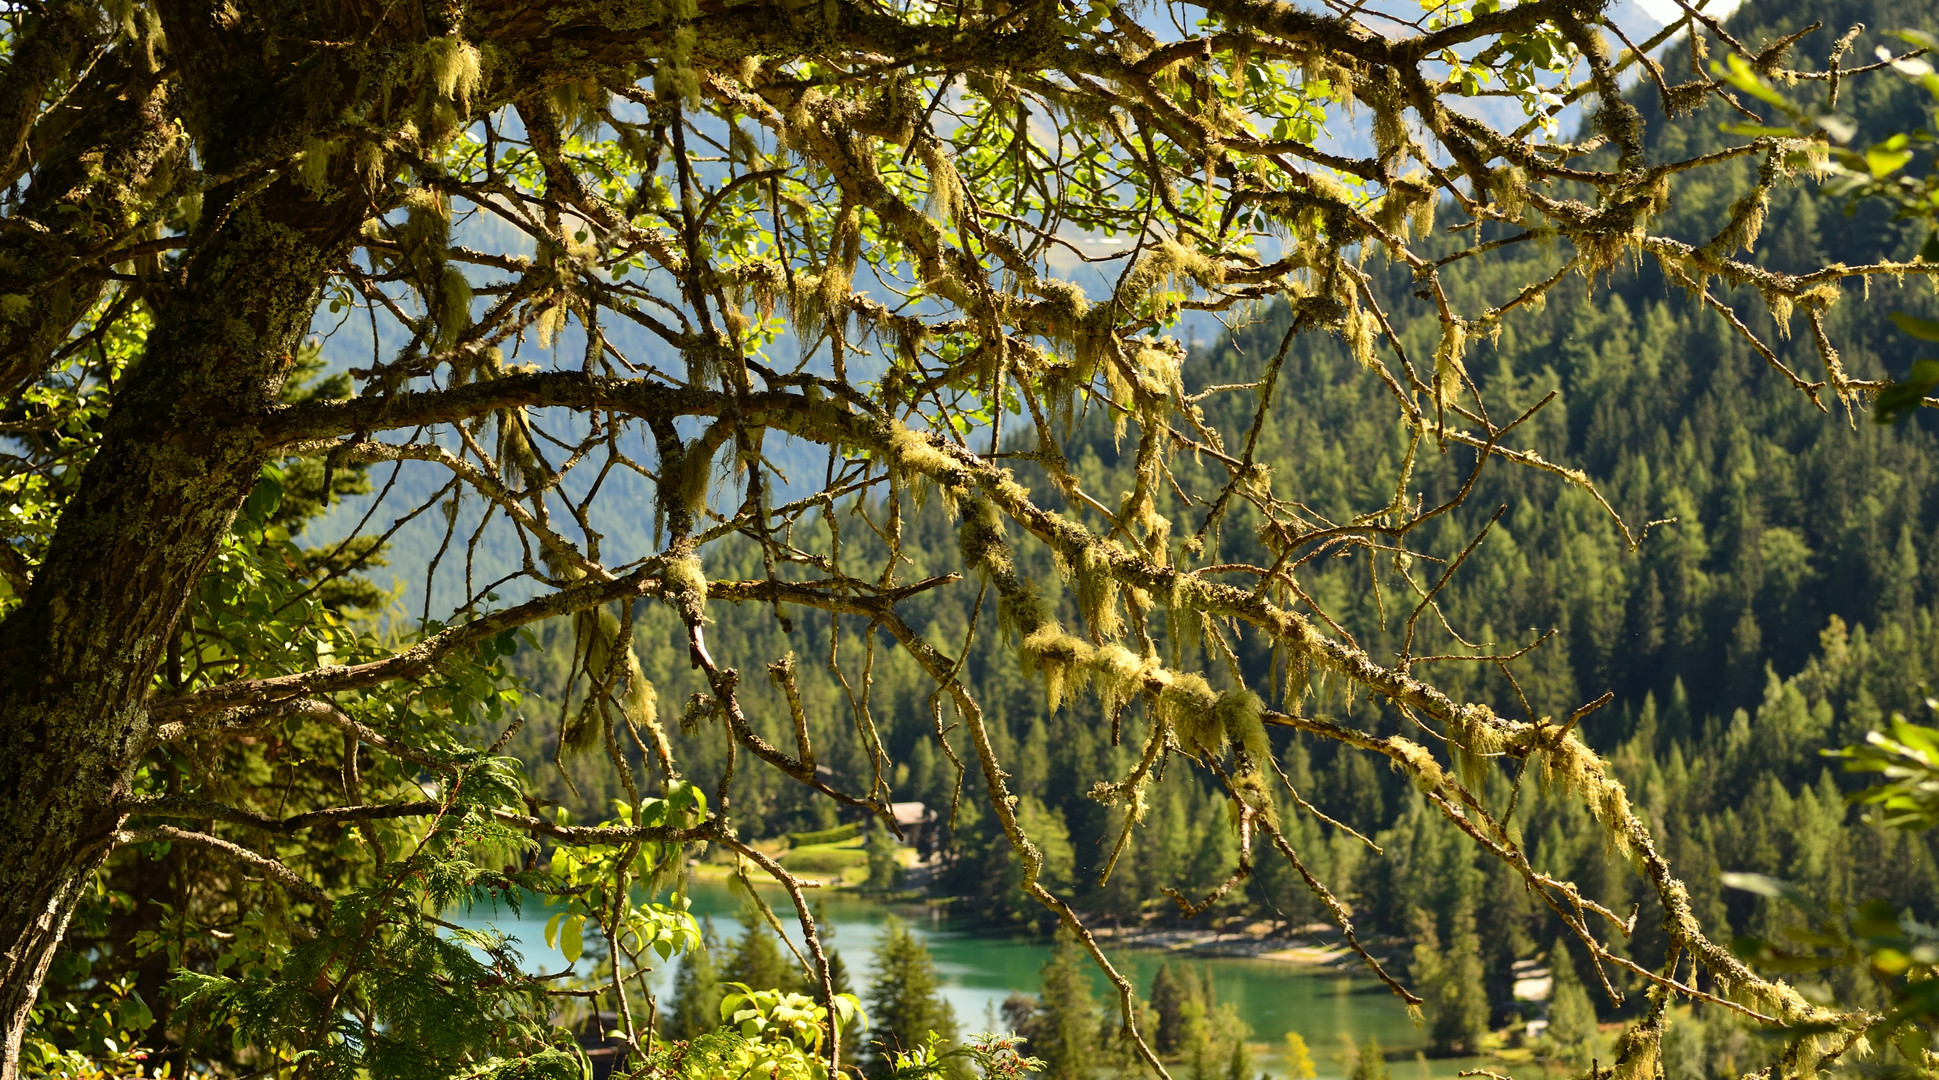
(706, 312)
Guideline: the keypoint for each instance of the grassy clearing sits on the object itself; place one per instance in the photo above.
(847, 859)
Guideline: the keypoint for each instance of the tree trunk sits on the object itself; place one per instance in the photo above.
(178, 456)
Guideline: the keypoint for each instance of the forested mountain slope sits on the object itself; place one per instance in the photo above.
(1787, 607)
(1142, 613)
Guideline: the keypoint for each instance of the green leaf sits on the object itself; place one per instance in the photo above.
(686, 796)
(1923, 329)
(1876, 919)
(1918, 39)
(1901, 399)
(1740, 75)
(1764, 885)
(572, 941)
(1921, 740)
(1883, 161)
(265, 497)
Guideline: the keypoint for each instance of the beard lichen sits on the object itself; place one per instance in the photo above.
(1240, 716)
(683, 587)
(1097, 593)
(595, 636)
(980, 541)
(1062, 659)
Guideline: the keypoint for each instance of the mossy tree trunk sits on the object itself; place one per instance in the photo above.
(181, 449)
(179, 454)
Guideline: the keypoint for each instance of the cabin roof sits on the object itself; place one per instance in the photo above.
(909, 813)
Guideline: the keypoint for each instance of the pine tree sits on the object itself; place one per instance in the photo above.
(1223, 1043)
(188, 436)
(1455, 981)
(1370, 1063)
(757, 959)
(838, 979)
(840, 983)
(1117, 1055)
(1195, 1043)
(696, 990)
(1572, 1016)
(1065, 1029)
(1430, 964)
(1169, 994)
(1190, 1024)
(1238, 1063)
(905, 1003)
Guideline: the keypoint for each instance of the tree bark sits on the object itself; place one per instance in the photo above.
(178, 456)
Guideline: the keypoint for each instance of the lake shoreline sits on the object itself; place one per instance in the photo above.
(1305, 951)
(1309, 947)
(1275, 982)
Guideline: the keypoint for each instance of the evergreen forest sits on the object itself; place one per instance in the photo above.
(1781, 604)
(551, 458)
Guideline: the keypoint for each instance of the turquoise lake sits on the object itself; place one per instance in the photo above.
(979, 968)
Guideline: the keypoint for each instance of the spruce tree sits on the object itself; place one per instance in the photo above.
(905, 1002)
(564, 236)
(1430, 964)
(1117, 1055)
(1238, 1062)
(1169, 992)
(1065, 1029)
(757, 959)
(1370, 1062)
(1222, 1052)
(1455, 983)
(840, 983)
(1196, 1047)
(1571, 1030)
(696, 990)
(1191, 1026)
